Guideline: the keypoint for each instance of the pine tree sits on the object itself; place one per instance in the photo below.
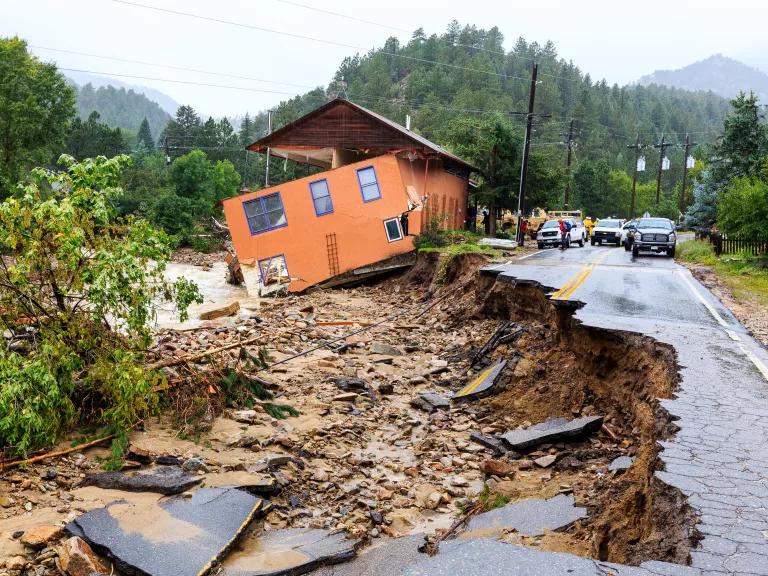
(144, 135)
(245, 136)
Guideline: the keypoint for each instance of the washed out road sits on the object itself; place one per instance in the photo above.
(718, 458)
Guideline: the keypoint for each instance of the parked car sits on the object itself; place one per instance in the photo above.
(607, 230)
(549, 233)
(627, 232)
(654, 235)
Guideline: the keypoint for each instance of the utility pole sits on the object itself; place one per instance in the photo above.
(662, 151)
(637, 147)
(269, 131)
(688, 146)
(570, 144)
(526, 150)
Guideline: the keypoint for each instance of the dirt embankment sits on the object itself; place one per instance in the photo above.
(567, 369)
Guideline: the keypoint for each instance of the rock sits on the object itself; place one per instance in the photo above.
(376, 517)
(28, 506)
(438, 363)
(39, 536)
(155, 538)
(229, 310)
(163, 480)
(524, 464)
(416, 380)
(6, 502)
(350, 384)
(49, 474)
(553, 430)
(320, 476)
(433, 501)
(141, 455)
(384, 349)
(243, 440)
(386, 388)
(430, 401)
(194, 464)
(348, 397)
(167, 460)
(546, 461)
(487, 441)
(245, 416)
(77, 559)
(497, 468)
(16, 563)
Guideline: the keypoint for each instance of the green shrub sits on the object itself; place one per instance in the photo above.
(85, 285)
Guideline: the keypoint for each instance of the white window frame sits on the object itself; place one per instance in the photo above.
(399, 229)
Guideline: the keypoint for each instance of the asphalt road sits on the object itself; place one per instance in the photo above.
(718, 458)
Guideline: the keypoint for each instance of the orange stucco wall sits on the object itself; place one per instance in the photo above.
(360, 235)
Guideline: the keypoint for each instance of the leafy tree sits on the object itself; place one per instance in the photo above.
(224, 180)
(144, 135)
(190, 176)
(743, 208)
(36, 105)
(93, 138)
(88, 284)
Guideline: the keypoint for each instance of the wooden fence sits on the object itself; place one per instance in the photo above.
(734, 244)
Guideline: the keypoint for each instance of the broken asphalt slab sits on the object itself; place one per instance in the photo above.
(486, 557)
(530, 517)
(163, 480)
(553, 430)
(483, 384)
(288, 552)
(173, 537)
(430, 401)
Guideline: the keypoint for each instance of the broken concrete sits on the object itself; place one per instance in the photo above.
(529, 517)
(289, 552)
(483, 384)
(229, 310)
(385, 349)
(256, 484)
(175, 536)
(553, 430)
(163, 480)
(621, 464)
(430, 401)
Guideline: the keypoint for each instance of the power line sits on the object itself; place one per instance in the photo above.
(170, 67)
(312, 38)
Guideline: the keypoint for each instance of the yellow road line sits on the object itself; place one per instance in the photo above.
(573, 284)
(476, 382)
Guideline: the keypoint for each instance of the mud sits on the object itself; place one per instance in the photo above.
(568, 369)
(374, 466)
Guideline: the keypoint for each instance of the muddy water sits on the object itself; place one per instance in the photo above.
(214, 289)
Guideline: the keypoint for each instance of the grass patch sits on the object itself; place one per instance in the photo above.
(745, 275)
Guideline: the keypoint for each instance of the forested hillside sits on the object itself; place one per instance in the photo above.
(120, 108)
(462, 89)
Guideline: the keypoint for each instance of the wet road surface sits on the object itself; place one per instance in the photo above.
(718, 459)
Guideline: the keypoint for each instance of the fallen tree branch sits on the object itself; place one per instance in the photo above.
(432, 546)
(209, 352)
(14, 463)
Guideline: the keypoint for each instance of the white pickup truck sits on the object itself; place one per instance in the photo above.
(607, 230)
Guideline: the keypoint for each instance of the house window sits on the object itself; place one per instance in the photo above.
(394, 232)
(321, 197)
(265, 213)
(369, 185)
(274, 270)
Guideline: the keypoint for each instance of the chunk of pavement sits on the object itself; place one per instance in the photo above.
(487, 441)
(350, 384)
(384, 349)
(483, 556)
(430, 401)
(258, 484)
(549, 431)
(483, 384)
(621, 464)
(228, 310)
(163, 480)
(293, 551)
(529, 517)
(172, 536)
(546, 461)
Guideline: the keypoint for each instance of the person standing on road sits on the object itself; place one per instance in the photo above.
(523, 232)
(563, 234)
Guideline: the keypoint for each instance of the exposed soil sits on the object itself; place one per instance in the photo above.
(370, 463)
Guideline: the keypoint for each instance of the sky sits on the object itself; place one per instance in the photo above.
(618, 41)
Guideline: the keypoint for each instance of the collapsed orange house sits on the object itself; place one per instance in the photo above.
(382, 185)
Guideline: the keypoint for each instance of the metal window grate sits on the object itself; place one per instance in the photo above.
(333, 254)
